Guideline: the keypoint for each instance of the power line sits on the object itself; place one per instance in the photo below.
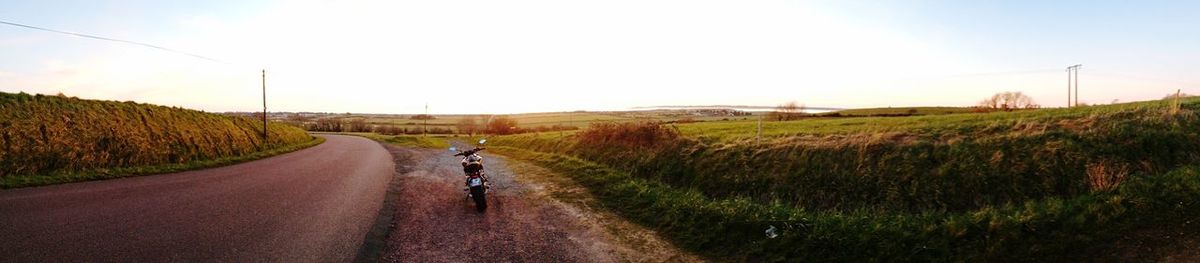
(113, 40)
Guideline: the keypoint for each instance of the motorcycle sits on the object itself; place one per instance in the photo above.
(477, 185)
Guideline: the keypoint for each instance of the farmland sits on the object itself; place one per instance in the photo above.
(446, 124)
(973, 186)
(57, 139)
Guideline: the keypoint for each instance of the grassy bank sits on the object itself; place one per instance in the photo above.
(949, 187)
(733, 228)
(57, 139)
(945, 163)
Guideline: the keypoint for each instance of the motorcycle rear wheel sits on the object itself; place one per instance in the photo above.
(480, 197)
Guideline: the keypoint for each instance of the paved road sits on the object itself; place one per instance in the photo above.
(313, 205)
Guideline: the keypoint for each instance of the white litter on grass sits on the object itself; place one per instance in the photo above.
(772, 232)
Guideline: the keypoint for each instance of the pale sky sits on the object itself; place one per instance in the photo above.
(533, 56)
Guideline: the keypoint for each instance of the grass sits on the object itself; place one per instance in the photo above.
(927, 126)
(904, 111)
(732, 228)
(48, 136)
(434, 142)
(961, 186)
(103, 174)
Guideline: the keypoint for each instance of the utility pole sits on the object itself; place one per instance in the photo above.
(425, 125)
(1068, 87)
(1075, 70)
(264, 116)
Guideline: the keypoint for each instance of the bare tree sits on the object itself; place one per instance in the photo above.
(786, 111)
(1008, 101)
(467, 125)
(501, 125)
(328, 124)
(359, 125)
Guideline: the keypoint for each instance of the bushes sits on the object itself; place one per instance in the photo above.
(53, 134)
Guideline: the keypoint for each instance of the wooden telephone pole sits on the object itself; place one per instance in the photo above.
(1073, 69)
(264, 115)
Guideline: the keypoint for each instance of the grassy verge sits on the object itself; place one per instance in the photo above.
(43, 135)
(101, 174)
(632, 242)
(433, 142)
(733, 228)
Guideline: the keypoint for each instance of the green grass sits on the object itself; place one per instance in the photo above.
(1079, 174)
(904, 111)
(927, 126)
(434, 142)
(732, 228)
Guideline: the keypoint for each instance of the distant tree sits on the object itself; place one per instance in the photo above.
(787, 111)
(501, 125)
(467, 125)
(328, 124)
(297, 120)
(1172, 96)
(359, 125)
(1008, 101)
(390, 129)
(422, 117)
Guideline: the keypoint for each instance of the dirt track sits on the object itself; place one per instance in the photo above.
(435, 223)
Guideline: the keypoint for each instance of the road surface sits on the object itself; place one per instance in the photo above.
(313, 205)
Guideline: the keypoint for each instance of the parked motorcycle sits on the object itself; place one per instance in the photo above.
(477, 185)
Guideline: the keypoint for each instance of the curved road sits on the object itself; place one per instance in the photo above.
(313, 205)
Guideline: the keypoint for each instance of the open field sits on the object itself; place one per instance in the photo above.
(445, 124)
(1006, 185)
(577, 119)
(57, 139)
(904, 111)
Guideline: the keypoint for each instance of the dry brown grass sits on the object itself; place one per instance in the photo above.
(1106, 175)
(42, 135)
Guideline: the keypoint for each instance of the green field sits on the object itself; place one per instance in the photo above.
(58, 139)
(905, 111)
(1034, 184)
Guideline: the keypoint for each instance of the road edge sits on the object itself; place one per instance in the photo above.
(376, 238)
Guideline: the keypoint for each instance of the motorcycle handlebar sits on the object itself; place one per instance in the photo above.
(469, 152)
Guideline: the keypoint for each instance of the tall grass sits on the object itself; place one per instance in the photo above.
(43, 135)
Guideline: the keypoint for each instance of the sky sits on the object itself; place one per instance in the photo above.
(538, 56)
